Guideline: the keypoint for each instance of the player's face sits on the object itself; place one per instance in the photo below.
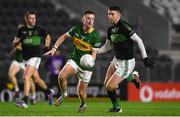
(88, 20)
(113, 16)
(31, 20)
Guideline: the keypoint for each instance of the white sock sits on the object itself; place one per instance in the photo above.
(33, 96)
(65, 93)
(16, 89)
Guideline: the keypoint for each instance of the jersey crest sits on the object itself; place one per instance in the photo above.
(81, 45)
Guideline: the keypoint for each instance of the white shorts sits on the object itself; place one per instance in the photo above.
(34, 61)
(20, 64)
(123, 67)
(83, 75)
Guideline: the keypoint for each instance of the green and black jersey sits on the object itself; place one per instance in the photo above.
(83, 42)
(31, 40)
(119, 35)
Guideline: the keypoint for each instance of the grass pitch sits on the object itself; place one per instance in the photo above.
(95, 107)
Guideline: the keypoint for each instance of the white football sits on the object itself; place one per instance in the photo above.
(87, 61)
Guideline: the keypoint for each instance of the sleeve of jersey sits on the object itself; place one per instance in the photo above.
(140, 43)
(128, 31)
(97, 43)
(71, 32)
(43, 31)
(19, 34)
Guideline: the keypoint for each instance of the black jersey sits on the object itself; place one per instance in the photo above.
(31, 39)
(119, 35)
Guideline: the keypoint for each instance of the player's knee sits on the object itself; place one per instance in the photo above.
(10, 75)
(81, 93)
(26, 78)
(110, 87)
(62, 77)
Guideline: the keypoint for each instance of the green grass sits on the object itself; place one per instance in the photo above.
(95, 107)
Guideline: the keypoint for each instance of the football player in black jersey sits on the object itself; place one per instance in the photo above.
(121, 37)
(32, 37)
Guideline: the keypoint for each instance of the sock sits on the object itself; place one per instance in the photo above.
(33, 96)
(113, 97)
(65, 93)
(16, 89)
(130, 78)
(25, 99)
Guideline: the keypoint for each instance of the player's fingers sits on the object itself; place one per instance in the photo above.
(52, 53)
(47, 53)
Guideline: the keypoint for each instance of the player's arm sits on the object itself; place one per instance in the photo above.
(16, 42)
(48, 41)
(16, 45)
(58, 43)
(106, 47)
(139, 41)
(94, 52)
(141, 46)
(60, 40)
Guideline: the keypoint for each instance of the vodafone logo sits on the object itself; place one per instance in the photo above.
(146, 94)
(155, 92)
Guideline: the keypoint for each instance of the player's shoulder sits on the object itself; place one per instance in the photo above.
(76, 28)
(79, 26)
(96, 31)
(124, 23)
(22, 28)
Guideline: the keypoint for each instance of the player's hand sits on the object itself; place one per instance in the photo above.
(50, 52)
(148, 63)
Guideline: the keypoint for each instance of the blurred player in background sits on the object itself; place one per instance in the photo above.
(121, 37)
(86, 40)
(53, 65)
(16, 66)
(32, 38)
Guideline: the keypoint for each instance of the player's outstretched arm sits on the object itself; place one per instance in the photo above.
(58, 43)
(106, 47)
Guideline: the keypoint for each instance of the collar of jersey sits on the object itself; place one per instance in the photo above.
(90, 30)
(30, 26)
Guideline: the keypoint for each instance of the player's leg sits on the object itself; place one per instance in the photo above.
(110, 71)
(111, 86)
(38, 80)
(123, 69)
(111, 93)
(134, 77)
(67, 71)
(81, 90)
(27, 75)
(84, 79)
(13, 70)
(33, 91)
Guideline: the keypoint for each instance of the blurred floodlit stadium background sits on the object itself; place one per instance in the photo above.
(156, 21)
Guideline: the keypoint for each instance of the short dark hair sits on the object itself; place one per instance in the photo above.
(115, 8)
(88, 12)
(30, 12)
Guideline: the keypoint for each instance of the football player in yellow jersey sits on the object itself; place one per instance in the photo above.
(86, 40)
